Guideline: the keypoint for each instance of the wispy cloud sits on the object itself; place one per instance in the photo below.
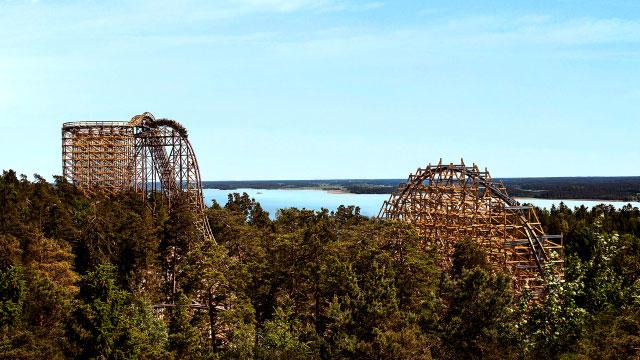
(207, 39)
(432, 32)
(585, 31)
(282, 5)
(540, 29)
(21, 21)
(471, 34)
(299, 5)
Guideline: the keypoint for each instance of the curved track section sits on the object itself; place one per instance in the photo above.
(449, 203)
(147, 154)
(165, 162)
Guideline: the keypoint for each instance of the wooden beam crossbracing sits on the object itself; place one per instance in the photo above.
(144, 154)
(448, 203)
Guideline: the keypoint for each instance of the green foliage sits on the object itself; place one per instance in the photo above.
(112, 324)
(12, 294)
(280, 337)
(186, 339)
(554, 325)
(612, 335)
(479, 313)
(600, 292)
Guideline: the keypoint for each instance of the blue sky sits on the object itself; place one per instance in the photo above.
(308, 89)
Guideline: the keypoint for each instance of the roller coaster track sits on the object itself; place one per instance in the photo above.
(147, 154)
(165, 144)
(152, 156)
(449, 203)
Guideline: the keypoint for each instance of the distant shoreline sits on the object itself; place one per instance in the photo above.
(524, 199)
(600, 192)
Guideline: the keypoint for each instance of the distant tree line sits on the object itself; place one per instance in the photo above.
(79, 277)
(598, 188)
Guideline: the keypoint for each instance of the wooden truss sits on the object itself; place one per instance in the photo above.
(449, 203)
(145, 154)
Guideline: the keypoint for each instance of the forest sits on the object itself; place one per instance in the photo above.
(80, 277)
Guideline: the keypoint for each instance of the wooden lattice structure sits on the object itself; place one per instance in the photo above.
(145, 154)
(449, 203)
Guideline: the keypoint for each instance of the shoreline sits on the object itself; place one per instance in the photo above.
(346, 192)
(580, 199)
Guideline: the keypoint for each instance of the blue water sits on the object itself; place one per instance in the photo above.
(272, 200)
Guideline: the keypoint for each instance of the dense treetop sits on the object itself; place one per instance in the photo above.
(79, 277)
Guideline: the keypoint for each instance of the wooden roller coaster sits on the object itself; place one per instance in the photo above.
(449, 203)
(146, 154)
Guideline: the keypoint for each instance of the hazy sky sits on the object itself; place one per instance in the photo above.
(308, 89)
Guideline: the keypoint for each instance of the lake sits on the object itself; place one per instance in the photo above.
(272, 200)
